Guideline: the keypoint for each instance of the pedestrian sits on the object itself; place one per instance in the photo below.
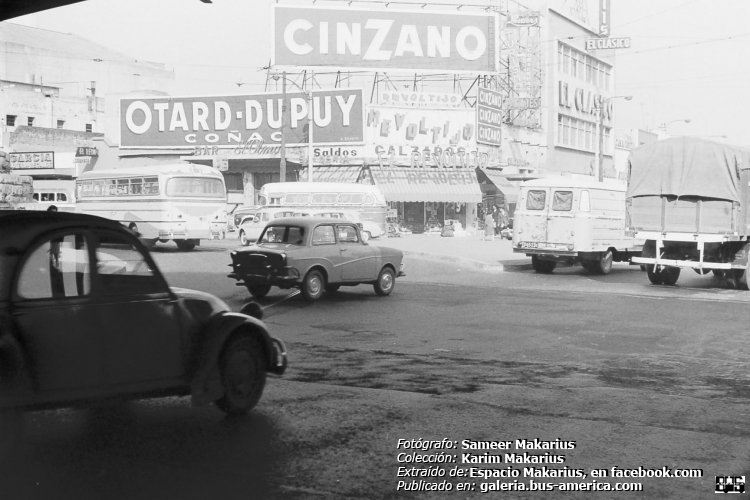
(489, 226)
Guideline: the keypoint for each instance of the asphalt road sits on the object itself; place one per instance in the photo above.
(634, 375)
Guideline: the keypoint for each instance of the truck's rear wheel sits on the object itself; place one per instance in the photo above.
(670, 275)
(654, 275)
(542, 266)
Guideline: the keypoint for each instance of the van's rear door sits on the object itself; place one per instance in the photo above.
(560, 219)
(530, 222)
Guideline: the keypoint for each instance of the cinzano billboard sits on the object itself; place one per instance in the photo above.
(230, 121)
(385, 39)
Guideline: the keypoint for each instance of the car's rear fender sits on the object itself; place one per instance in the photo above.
(206, 385)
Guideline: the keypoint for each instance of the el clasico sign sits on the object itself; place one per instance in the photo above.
(385, 39)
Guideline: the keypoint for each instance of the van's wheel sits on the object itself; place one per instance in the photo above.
(385, 283)
(313, 285)
(542, 266)
(185, 244)
(243, 238)
(604, 264)
(243, 374)
(258, 291)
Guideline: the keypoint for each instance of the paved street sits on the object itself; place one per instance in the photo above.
(636, 375)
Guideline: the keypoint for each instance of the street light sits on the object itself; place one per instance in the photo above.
(309, 96)
(599, 157)
(664, 125)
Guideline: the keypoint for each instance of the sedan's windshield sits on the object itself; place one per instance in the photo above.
(292, 235)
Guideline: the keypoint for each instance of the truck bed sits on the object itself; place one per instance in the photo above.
(669, 214)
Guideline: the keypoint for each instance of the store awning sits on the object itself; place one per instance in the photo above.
(509, 190)
(333, 173)
(427, 184)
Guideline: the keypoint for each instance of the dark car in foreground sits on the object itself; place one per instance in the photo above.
(85, 315)
(316, 255)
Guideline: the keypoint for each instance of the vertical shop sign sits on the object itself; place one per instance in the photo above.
(489, 116)
(604, 17)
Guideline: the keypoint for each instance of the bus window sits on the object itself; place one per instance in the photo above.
(324, 198)
(151, 185)
(62, 197)
(351, 198)
(196, 187)
(136, 186)
(35, 196)
(297, 199)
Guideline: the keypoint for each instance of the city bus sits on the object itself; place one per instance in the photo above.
(181, 202)
(53, 195)
(362, 203)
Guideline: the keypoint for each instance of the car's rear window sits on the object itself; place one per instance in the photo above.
(292, 235)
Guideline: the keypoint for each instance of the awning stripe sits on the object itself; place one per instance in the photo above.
(427, 184)
(508, 189)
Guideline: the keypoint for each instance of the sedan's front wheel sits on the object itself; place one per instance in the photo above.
(258, 291)
(313, 286)
(386, 282)
(243, 373)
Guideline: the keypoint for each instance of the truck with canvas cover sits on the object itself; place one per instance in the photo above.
(573, 219)
(688, 198)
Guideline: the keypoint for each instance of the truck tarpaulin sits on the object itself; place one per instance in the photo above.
(687, 166)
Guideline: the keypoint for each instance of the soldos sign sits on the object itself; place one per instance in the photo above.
(388, 39)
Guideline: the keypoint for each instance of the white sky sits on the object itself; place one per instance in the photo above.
(690, 59)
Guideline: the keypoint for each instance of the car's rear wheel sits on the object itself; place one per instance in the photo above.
(670, 275)
(258, 291)
(386, 282)
(313, 285)
(243, 238)
(243, 374)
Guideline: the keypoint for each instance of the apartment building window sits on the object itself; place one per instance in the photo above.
(10, 120)
(89, 127)
(30, 121)
(60, 123)
(583, 67)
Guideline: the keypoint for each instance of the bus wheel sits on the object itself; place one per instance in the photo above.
(604, 264)
(542, 266)
(185, 244)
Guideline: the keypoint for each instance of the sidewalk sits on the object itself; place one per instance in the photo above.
(473, 250)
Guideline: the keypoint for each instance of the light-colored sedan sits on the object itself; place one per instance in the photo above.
(316, 255)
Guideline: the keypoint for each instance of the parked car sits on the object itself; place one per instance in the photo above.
(86, 315)
(316, 255)
(241, 212)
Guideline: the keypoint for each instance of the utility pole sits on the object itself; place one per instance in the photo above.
(282, 151)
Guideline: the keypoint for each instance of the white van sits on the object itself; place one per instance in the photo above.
(573, 219)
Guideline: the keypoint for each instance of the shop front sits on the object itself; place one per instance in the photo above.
(425, 200)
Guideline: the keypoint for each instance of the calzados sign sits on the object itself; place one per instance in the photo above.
(387, 39)
(231, 121)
